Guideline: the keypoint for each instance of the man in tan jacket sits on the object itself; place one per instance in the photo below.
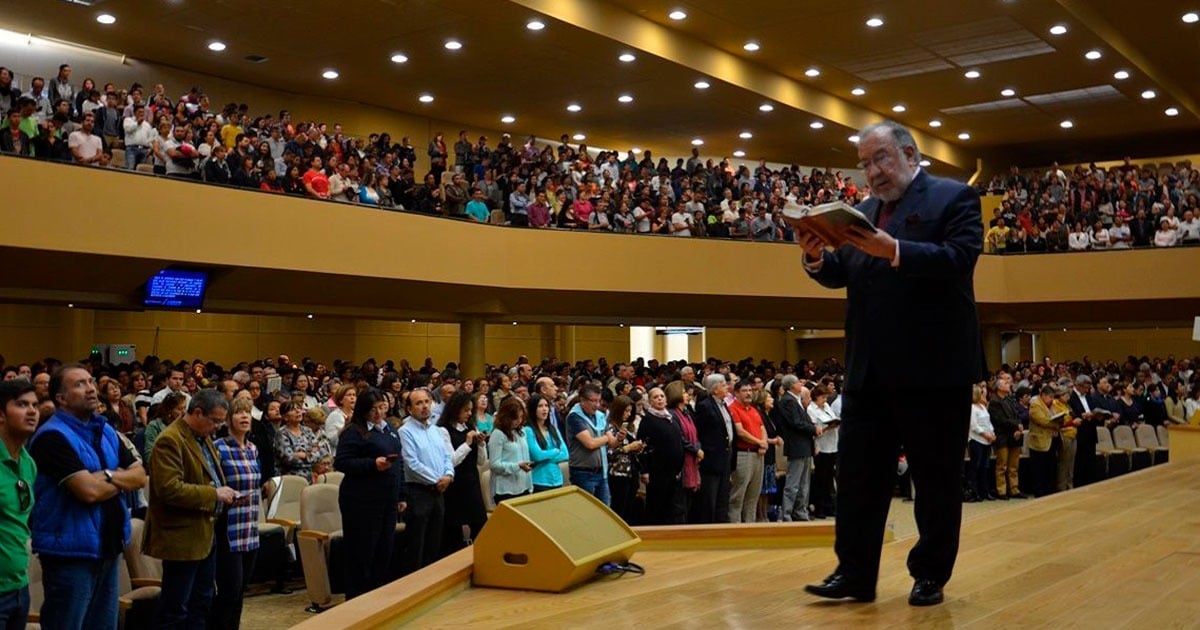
(188, 499)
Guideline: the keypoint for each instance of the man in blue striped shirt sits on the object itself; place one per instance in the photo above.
(428, 471)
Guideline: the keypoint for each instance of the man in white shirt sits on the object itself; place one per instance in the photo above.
(1189, 228)
(172, 385)
(1119, 236)
(86, 147)
(139, 133)
(681, 221)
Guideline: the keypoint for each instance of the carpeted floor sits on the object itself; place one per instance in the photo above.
(266, 611)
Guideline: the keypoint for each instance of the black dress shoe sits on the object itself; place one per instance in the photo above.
(925, 593)
(838, 586)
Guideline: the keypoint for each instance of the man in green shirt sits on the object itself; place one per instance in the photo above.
(17, 472)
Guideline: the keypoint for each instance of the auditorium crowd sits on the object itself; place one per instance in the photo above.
(662, 443)
(1093, 208)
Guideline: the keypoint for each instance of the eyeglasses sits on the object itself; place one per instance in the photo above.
(23, 495)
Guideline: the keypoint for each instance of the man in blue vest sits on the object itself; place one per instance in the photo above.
(80, 523)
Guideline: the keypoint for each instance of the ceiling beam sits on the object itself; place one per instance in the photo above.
(1089, 16)
(648, 36)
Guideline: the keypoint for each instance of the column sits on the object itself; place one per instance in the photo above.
(992, 347)
(642, 343)
(471, 340)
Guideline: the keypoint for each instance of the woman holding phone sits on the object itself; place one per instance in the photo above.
(237, 544)
(508, 452)
(547, 449)
(371, 495)
(465, 512)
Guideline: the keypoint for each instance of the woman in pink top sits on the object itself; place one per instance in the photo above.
(582, 210)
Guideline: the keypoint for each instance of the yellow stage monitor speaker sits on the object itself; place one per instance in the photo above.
(550, 541)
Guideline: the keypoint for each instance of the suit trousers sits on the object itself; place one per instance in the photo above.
(368, 536)
(931, 424)
(745, 488)
(422, 526)
(1065, 479)
(1008, 461)
(712, 500)
(823, 491)
(796, 488)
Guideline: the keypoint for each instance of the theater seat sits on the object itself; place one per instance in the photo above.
(287, 508)
(1147, 438)
(485, 486)
(138, 606)
(1164, 436)
(333, 477)
(1124, 440)
(321, 525)
(1118, 461)
(143, 569)
(118, 159)
(144, 167)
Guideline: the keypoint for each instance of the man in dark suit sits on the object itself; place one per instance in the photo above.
(913, 352)
(714, 429)
(798, 432)
(1085, 406)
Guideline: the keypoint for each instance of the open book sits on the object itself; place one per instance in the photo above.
(1059, 417)
(829, 221)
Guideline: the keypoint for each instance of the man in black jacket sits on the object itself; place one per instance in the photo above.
(714, 428)
(1085, 406)
(798, 431)
(1009, 435)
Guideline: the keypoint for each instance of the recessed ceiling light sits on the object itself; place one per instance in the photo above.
(635, 150)
(330, 74)
(425, 98)
(875, 22)
(858, 91)
(816, 124)
(751, 46)
(399, 58)
(899, 108)
(452, 44)
(626, 57)
(812, 72)
(1121, 75)
(216, 46)
(701, 85)
(935, 123)
(739, 153)
(1190, 17)
(1066, 124)
(574, 107)
(106, 19)
(1149, 94)
(964, 136)
(745, 135)
(766, 107)
(579, 137)
(1172, 111)
(697, 142)
(1008, 92)
(508, 120)
(625, 98)
(854, 139)
(924, 163)
(535, 25)
(1058, 29)
(677, 15)
(1093, 54)
(310, 315)
(971, 74)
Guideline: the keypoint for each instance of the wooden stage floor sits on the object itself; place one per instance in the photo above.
(1120, 554)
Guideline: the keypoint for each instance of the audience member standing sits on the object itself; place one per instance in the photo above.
(19, 406)
(428, 472)
(372, 493)
(663, 462)
(586, 442)
(547, 448)
(1006, 420)
(465, 512)
(1046, 414)
(823, 493)
(751, 447)
(983, 434)
(678, 401)
(508, 452)
(714, 429)
(624, 471)
(798, 432)
(189, 499)
(237, 543)
(80, 524)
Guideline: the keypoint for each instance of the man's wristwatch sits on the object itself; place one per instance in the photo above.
(108, 475)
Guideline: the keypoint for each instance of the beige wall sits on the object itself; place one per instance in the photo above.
(1103, 345)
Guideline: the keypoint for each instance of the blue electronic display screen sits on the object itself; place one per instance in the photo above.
(172, 288)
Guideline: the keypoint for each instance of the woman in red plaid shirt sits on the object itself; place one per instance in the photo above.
(237, 543)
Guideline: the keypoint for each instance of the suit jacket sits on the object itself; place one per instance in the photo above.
(1006, 421)
(914, 325)
(1087, 430)
(8, 146)
(795, 427)
(183, 499)
(1042, 430)
(714, 438)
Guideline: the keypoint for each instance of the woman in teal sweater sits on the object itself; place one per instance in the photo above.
(508, 453)
(546, 447)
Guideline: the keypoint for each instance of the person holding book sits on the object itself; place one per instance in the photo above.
(913, 352)
(1046, 415)
(1086, 408)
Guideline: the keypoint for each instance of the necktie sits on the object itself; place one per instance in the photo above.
(885, 215)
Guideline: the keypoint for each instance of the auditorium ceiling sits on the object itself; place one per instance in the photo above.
(810, 56)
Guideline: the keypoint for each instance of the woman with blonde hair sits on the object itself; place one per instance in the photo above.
(979, 447)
